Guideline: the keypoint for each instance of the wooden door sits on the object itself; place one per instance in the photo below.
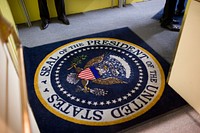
(185, 73)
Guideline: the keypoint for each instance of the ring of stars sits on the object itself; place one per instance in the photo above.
(101, 103)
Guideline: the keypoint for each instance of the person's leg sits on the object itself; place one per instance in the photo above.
(169, 9)
(44, 13)
(167, 18)
(180, 7)
(60, 8)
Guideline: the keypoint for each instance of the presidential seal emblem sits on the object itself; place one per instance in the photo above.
(99, 81)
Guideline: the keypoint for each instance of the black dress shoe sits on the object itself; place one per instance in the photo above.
(171, 27)
(44, 24)
(64, 20)
(174, 21)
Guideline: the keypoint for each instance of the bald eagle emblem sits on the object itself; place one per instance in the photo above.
(106, 69)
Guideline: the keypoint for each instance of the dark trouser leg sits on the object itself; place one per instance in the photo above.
(168, 14)
(44, 13)
(181, 5)
(60, 8)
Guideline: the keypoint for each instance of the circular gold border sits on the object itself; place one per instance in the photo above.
(142, 111)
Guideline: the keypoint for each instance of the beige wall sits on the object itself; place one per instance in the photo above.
(10, 98)
(3, 77)
(10, 111)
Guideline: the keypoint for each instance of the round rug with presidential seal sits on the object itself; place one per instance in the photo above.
(99, 81)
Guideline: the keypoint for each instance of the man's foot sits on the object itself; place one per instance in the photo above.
(44, 24)
(171, 27)
(64, 20)
(174, 21)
